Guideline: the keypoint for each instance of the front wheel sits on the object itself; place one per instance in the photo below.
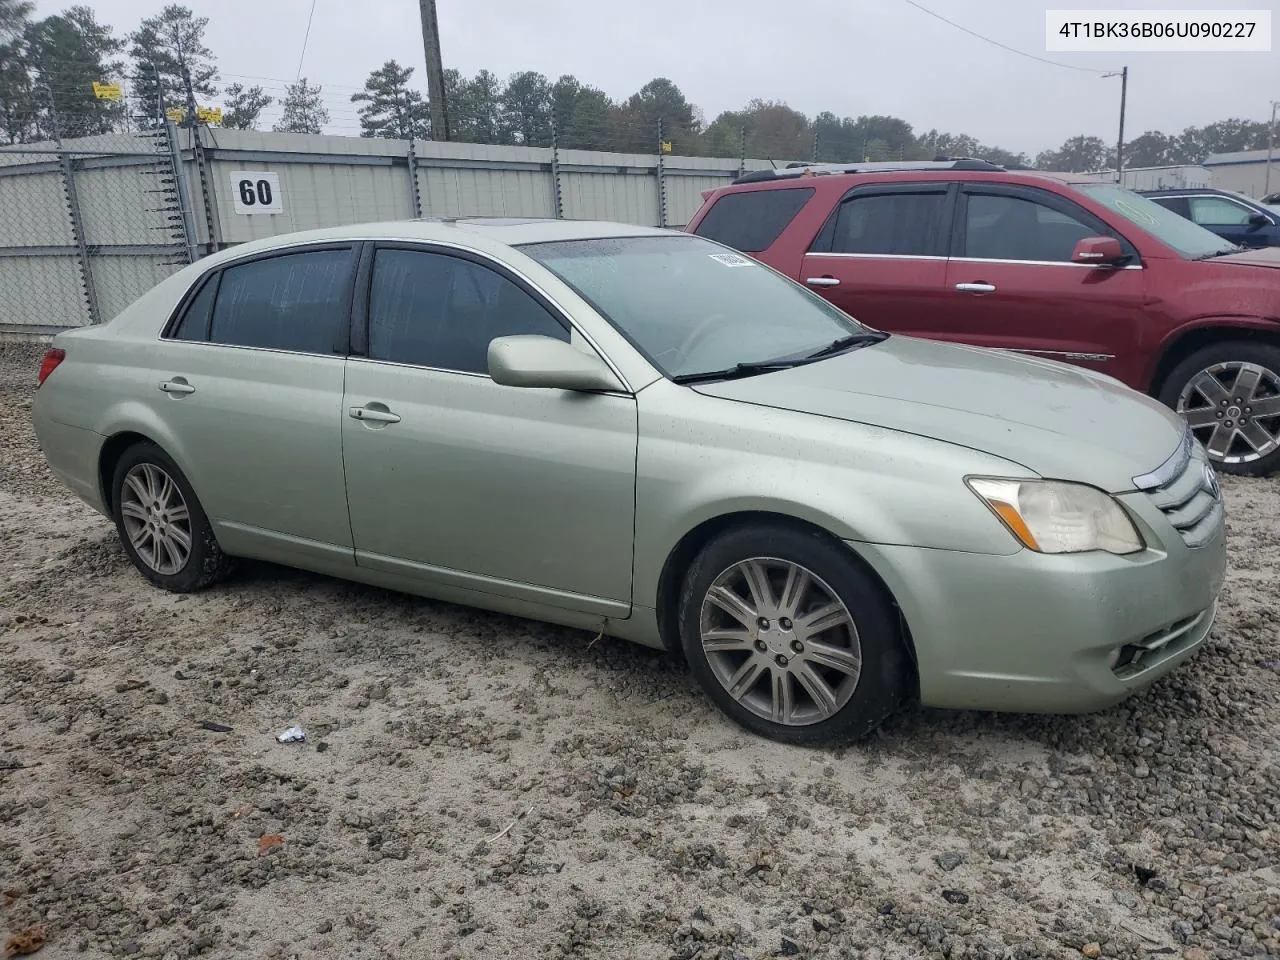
(1230, 395)
(790, 637)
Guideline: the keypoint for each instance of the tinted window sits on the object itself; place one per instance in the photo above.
(750, 221)
(441, 311)
(1177, 204)
(194, 324)
(1010, 228)
(292, 302)
(1219, 211)
(892, 224)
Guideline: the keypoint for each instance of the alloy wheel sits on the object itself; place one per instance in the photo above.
(780, 641)
(156, 518)
(1233, 408)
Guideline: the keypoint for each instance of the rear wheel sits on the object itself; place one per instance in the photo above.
(1230, 395)
(790, 637)
(161, 523)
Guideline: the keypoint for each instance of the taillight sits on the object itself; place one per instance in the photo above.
(52, 357)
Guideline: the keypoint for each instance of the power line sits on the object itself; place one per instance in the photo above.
(997, 43)
(305, 38)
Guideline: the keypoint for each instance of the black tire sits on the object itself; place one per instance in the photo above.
(205, 562)
(1264, 355)
(886, 678)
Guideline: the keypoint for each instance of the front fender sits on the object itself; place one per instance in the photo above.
(857, 482)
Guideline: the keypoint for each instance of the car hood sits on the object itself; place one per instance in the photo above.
(1261, 257)
(1057, 420)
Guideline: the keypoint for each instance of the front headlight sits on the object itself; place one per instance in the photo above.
(1050, 516)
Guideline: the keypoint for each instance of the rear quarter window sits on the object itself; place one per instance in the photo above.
(752, 220)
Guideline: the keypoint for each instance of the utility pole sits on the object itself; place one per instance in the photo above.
(1271, 148)
(435, 71)
(1124, 89)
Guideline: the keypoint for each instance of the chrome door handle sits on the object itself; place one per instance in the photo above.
(822, 282)
(177, 387)
(976, 287)
(372, 415)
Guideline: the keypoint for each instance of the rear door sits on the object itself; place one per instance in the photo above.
(248, 390)
(1011, 282)
(881, 256)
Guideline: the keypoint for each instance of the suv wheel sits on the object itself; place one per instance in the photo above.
(1230, 394)
(790, 638)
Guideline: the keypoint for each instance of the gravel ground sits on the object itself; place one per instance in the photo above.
(476, 786)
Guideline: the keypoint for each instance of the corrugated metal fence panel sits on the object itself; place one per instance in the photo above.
(41, 291)
(123, 205)
(475, 179)
(35, 210)
(119, 280)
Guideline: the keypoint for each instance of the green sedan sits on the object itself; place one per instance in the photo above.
(644, 433)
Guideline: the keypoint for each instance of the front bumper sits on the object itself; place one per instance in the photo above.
(1034, 633)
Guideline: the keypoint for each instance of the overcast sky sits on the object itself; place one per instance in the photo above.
(847, 56)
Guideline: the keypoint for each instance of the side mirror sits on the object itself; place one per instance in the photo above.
(1259, 220)
(535, 361)
(1098, 251)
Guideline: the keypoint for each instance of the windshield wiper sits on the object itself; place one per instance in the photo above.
(754, 367)
(1221, 253)
(737, 370)
(845, 344)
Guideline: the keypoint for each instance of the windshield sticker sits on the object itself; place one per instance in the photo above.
(730, 259)
(1133, 213)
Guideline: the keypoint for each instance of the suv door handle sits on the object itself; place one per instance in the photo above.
(976, 287)
(822, 282)
(177, 387)
(372, 415)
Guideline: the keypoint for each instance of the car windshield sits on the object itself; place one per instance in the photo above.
(1190, 239)
(692, 306)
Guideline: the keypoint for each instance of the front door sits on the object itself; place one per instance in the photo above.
(452, 478)
(1012, 284)
(1229, 219)
(881, 257)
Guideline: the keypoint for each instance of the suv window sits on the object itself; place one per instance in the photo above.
(1177, 204)
(891, 224)
(295, 302)
(751, 220)
(194, 324)
(998, 227)
(436, 310)
(1219, 211)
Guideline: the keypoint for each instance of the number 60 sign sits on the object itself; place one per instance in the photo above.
(256, 191)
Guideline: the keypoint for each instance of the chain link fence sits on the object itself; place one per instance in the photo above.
(88, 225)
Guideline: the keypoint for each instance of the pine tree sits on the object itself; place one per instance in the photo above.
(168, 52)
(304, 111)
(390, 108)
(18, 106)
(242, 106)
(69, 53)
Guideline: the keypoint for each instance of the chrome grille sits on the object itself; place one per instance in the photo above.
(1186, 490)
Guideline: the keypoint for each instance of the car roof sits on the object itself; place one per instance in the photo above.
(1186, 191)
(489, 234)
(907, 171)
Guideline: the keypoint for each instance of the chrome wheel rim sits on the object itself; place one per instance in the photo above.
(780, 641)
(1234, 410)
(156, 518)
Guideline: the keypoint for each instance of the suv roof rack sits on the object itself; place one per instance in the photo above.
(876, 166)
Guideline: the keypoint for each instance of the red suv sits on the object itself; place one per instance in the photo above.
(1074, 270)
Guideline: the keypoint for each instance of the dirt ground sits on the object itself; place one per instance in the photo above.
(477, 786)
